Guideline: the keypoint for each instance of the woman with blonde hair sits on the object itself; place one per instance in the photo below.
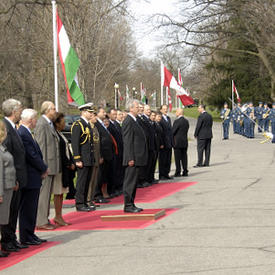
(7, 181)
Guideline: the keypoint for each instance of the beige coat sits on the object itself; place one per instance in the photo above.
(48, 141)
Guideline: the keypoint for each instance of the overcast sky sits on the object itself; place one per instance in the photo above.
(147, 38)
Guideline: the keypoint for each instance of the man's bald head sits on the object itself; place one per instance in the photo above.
(179, 112)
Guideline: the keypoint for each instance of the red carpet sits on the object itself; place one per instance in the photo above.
(16, 257)
(92, 220)
(151, 193)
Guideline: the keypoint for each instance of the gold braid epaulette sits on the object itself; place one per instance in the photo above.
(86, 131)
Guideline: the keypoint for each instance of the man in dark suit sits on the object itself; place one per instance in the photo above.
(107, 154)
(135, 155)
(165, 153)
(36, 170)
(180, 139)
(82, 145)
(149, 131)
(115, 130)
(12, 110)
(203, 134)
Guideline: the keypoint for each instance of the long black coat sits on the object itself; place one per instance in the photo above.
(15, 146)
(167, 130)
(180, 133)
(106, 143)
(134, 143)
(204, 126)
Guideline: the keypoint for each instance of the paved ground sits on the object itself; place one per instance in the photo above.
(225, 225)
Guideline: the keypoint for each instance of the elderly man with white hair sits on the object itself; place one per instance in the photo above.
(36, 171)
(12, 110)
(48, 141)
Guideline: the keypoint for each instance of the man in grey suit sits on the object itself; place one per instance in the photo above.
(48, 141)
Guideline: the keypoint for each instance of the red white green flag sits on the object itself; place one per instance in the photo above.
(70, 64)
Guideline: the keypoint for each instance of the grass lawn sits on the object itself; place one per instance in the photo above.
(193, 112)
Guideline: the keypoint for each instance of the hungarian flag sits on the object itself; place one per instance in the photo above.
(234, 91)
(143, 94)
(119, 94)
(168, 80)
(70, 64)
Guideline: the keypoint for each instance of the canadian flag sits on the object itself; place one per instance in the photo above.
(168, 80)
(169, 99)
(234, 90)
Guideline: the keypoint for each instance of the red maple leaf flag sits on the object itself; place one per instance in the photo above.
(234, 90)
(168, 80)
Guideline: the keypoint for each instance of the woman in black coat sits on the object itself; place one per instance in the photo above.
(67, 175)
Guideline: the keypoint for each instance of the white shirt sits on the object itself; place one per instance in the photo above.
(85, 120)
(49, 121)
(11, 122)
(27, 128)
(134, 118)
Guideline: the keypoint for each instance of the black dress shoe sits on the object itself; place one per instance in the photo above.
(177, 175)
(101, 200)
(169, 178)
(83, 209)
(197, 166)
(9, 247)
(39, 239)
(4, 254)
(185, 174)
(146, 184)
(131, 209)
(206, 165)
(19, 245)
(92, 207)
(138, 208)
(162, 178)
(33, 242)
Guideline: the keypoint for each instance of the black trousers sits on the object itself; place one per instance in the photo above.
(8, 231)
(117, 174)
(146, 171)
(130, 185)
(82, 185)
(28, 213)
(105, 175)
(203, 145)
(154, 162)
(181, 159)
(165, 162)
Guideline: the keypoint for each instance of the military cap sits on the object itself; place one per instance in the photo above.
(87, 107)
(260, 102)
(265, 103)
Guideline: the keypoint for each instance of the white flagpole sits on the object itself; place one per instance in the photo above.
(232, 95)
(161, 87)
(166, 95)
(55, 56)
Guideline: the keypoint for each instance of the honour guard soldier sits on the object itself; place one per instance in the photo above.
(259, 116)
(234, 119)
(251, 121)
(266, 111)
(226, 116)
(272, 119)
(82, 145)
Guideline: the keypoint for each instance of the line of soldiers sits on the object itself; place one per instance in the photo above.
(245, 117)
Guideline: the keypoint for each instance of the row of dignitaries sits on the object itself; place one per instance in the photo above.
(29, 169)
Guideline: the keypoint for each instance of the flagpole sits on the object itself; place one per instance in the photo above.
(55, 55)
(161, 82)
(232, 95)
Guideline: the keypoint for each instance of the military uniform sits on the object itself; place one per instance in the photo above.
(259, 116)
(266, 111)
(82, 145)
(226, 116)
(249, 122)
(272, 119)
